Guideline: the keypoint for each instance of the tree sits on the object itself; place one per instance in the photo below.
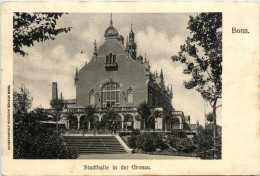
(90, 111)
(145, 111)
(41, 114)
(128, 118)
(202, 58)
(22, 102)
(111, 116)
(31, 139)
(204, 142)
(31, 27)
(57, 105)
(209, 117)
(72, 119)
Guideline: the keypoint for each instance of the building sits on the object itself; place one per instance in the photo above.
(117, 78)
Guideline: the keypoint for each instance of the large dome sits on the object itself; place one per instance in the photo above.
(111, 32)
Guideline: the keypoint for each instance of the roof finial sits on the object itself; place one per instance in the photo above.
(111, 22)
(95, 48)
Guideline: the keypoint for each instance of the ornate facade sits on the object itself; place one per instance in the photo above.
(116, 78)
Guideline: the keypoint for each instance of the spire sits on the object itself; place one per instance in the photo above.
(95, 48)
(111, 21)
(131, 34)
(132, 45)
(127, 47)
(61, 97)
(171, 88)
(145, 57)
(162, 80)
(131, 28)
(76, 76)
(156, 74)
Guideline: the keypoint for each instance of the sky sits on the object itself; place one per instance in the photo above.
(158, 35)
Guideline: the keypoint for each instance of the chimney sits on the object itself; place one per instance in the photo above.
(54, 90)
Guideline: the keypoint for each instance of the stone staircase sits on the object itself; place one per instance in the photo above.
(95, 144)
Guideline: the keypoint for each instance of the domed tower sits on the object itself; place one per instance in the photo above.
(111, 32)
(131, 44)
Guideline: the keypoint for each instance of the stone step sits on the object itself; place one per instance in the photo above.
(94, 144)
(93, 152)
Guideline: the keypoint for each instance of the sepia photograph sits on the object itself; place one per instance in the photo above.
(117, 85)
(130, 88)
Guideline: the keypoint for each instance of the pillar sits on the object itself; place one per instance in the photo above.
(89, 125)
(78, 118)
(159, 124)
(137, 124)
(122, 121)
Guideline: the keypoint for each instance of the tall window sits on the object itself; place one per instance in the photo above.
(92, 98)
(110, 58)
(130, 96)
(110, 93)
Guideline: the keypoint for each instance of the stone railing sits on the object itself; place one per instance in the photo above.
(100, 110)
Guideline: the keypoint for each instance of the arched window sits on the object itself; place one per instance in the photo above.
(110, 94)
(130, 98)
(92, 98)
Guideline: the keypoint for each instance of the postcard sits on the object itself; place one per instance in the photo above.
(130, 88)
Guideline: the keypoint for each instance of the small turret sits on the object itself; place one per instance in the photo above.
(162, 79)
(76, 76)
(131, 35)
(140, 59)
(61, 97)
(146, 64)
(127, 47)
(132, 45)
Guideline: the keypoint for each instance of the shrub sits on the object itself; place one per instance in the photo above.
(159, 141)
(184, 145)
(205, 143)
(135, 132)
(146, 142)
(35, 141)
(132, 141)
(180, 142)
